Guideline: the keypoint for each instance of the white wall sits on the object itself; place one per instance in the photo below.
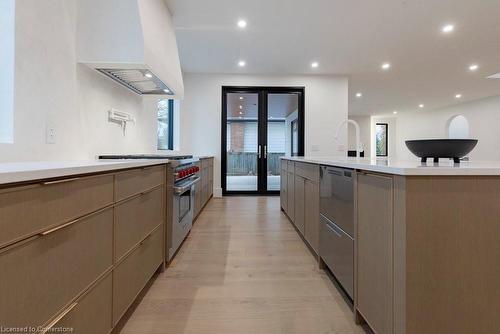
(484, 121)
(326, 104)
(51, 89)
(7, 30)
(365, 133)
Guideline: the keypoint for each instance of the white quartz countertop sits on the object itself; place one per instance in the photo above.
(400, 167)
(29, 171)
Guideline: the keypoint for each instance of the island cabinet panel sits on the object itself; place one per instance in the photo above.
(131, 275)
(291, 191)
(283, 185)
(136, 218)
(453, 254)
(90, 314)
(300, 202)
(311, 213)
(28, 210)
(41, 276)
(136, 181)
(374, 257)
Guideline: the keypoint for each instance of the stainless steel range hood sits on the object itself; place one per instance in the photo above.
(131, 42)
(140, 81)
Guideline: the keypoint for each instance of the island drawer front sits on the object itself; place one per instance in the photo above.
(284, 165)
(47, 272)
(308, 171)
(28, 210)
(136, 218)
(132, 274)
(135, 181)
(92, 313)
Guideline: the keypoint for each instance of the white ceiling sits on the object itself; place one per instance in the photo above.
(351, 37)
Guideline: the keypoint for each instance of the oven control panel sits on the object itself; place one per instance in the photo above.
(185, 171)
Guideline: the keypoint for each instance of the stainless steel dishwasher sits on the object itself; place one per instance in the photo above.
(336, 240)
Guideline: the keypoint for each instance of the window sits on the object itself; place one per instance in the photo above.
(166, 125)
(381, 136)
(7, 34)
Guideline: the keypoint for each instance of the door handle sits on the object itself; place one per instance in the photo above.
(265, 151)
(260, 152)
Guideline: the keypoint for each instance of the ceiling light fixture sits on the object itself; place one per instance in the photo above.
(448, 28)
(394, 112)
(241, 107)
(166, 90)
(314, 64)
(473, 67)
(242, 63)
(421, 106)
(242, 24)
(241, 112)
(241, 97)
(359, 94)
(458, 96)
(386, 66)
(148, 75)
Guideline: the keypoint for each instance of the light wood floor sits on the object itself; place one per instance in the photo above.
(243, 269)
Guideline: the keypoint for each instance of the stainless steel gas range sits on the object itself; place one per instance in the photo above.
(182, 177)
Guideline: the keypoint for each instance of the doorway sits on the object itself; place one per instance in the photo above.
(259, 126)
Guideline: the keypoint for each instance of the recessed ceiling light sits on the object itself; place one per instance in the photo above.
(241, 112)
(359, 94)
(314, 64)
(242, 63)
(166, 90)
(242, 24)
(148, 75)
(241, 107)
(386, 66)
(241, 97)
(448, 28)
(394, 112)
(421, 106)
(458, 96)
(473, 67)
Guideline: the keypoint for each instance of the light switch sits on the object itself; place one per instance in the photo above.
(50, 134)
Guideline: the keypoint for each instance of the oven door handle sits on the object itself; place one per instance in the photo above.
(180, 190)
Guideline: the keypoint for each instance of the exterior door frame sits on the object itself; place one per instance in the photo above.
(263, 92)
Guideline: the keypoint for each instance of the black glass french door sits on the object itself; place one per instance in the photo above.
(259, 126)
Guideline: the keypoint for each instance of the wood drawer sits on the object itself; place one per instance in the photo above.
(41, 276)
(136, 218)
(135, 181)
(308, 171)
(92, 312)
(132, 274)
(28, 210)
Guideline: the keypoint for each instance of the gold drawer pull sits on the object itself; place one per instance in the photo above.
(48, 183)
(145, 239)
(60, 227)
(59, 317)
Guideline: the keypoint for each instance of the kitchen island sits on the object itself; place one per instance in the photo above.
(426, 245)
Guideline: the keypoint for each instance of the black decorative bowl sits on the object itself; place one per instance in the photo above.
(441, 148)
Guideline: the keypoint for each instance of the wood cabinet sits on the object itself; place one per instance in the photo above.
(76, 248)
(300, 198)
(283, 185)
(311, 213)
(290, 199)
(28, 210)
(131, 275)
(299, 203)
(374, 244)
(204, 188)
(91, 313)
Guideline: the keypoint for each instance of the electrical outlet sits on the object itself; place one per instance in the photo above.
(314, 148)
(50, 134)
